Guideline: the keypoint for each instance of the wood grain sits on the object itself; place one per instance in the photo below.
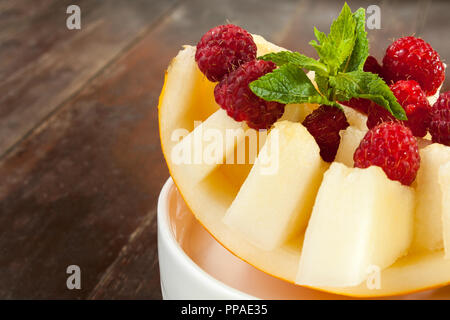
(74, 191)
(42, 63)
(80, 180)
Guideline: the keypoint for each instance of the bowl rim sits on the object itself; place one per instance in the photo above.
(165, 233)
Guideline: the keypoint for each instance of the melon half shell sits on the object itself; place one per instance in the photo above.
(187, 96)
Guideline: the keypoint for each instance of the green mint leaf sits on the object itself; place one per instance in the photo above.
(339, 72)
(361, 49)
(300, 60)
(360, 84)
(323, 83)
(334, 49)
(287, 84)
(321, 36)
(327, 102)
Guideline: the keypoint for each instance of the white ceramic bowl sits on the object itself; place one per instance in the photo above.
(181, 278)
(193, 265)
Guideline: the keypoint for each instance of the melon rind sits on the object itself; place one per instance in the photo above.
(187, 96)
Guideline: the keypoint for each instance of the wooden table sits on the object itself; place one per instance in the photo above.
(80, 159)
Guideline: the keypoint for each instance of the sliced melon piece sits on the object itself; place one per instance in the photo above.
(428, 217)
(264, 46)
(360, 219)
(297, 112)
(208, 145)
(350, 140)
(444, 183)
(355, 118)
(275, 201)
(188, 96)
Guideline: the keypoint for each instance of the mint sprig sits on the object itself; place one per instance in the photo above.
(296, 58)
(335, 48)
(360, 84)
(288, 84)
(339, 71)
(360, 51)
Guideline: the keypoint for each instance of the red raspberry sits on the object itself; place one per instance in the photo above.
(412, 58)
(222, 49)
(362, 105)
(440, 119)
(377, 114)
(234, 95)
(411, 97)
(324, 124)
(392, 147)
(413, 100)
(372, 65)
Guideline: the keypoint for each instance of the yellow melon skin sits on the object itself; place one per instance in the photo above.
(187, 96)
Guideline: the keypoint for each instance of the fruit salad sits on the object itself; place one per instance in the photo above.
(331, 173)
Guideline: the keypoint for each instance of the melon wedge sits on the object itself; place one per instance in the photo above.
(428, 234)
(297, 112)
(187, 96)
(355, 118)
(207, 146)
(360, 220)
(350, 140)
(266, 214)
(444, 183)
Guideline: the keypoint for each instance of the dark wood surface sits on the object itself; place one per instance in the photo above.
(80, 160)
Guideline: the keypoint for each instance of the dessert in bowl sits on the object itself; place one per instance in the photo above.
(336, 179)
(193, 265)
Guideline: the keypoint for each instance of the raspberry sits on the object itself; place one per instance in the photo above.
(324, 124)
(412, 58)
(391, 146)
(360, 104)
(234, 95)
(411, 97)
(222, 49)
(440, 119)
(413, 100)
(377, 114)
(372, 65)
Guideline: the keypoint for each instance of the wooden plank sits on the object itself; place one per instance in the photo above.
(29, 29)
(82, 188)
(42, 63)
(76, 189)
(135, 272)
